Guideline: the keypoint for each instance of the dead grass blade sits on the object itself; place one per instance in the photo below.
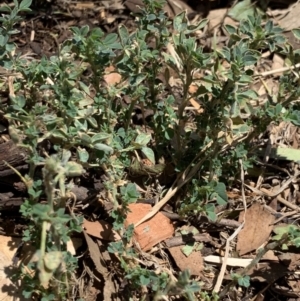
(235, 233)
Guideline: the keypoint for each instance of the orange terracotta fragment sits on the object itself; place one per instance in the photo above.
(151, 232)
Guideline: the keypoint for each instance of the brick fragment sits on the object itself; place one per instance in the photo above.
(151, 232)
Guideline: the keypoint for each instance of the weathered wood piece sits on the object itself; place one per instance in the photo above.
(13, 155)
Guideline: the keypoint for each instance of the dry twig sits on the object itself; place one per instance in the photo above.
(236, 232)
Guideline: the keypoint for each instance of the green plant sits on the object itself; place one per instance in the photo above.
(291, 233)
(203, 199)
(8, 21)
(241, 280)
(70, 121)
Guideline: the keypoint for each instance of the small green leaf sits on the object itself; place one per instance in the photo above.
(169, 133)
(5, 8)
(245, 79)
(25, 4)
(93, 122)
(14, 134)
(80, 126)
(199, 246)
(3, 41)
(211, 215)
(110, 38)
(84, 87)
(242, 10)
(169, 59)
(19, 100)
(249, 94)
(52, 260)
(86, 139)
(41, 210)
(136, 80)
(100, 137)
(123, 34)
(225, 53)
(73, 169)
(244, 281)
(103, 147)
(222, 197)
(180, 22)
(82, 154)
(195, 231)
(187, 250)
(200, 25)
(221, 201)
(116, 247)
(294, 117)
(144, 280)
(59, 134)
(250, 59)
(296, 33)
(269, 26)
(84, 30)
(129, 193)
(27, 293)
(230, 29)
(143, 139)
(210, 212)
(194, 287)
(148, 152)
(296, 242)
(96, 33)
(151, 17)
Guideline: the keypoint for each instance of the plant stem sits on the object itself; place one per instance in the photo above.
(129, 113)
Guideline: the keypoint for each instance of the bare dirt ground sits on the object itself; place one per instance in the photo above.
(276, 278)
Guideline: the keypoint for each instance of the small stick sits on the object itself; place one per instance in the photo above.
(287, 203)
(183, 239)
(286, 215)
(236, 232)
(283, 69)
(265, 192)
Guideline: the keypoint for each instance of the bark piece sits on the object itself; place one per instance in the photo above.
(12, 154)
(183, 239)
